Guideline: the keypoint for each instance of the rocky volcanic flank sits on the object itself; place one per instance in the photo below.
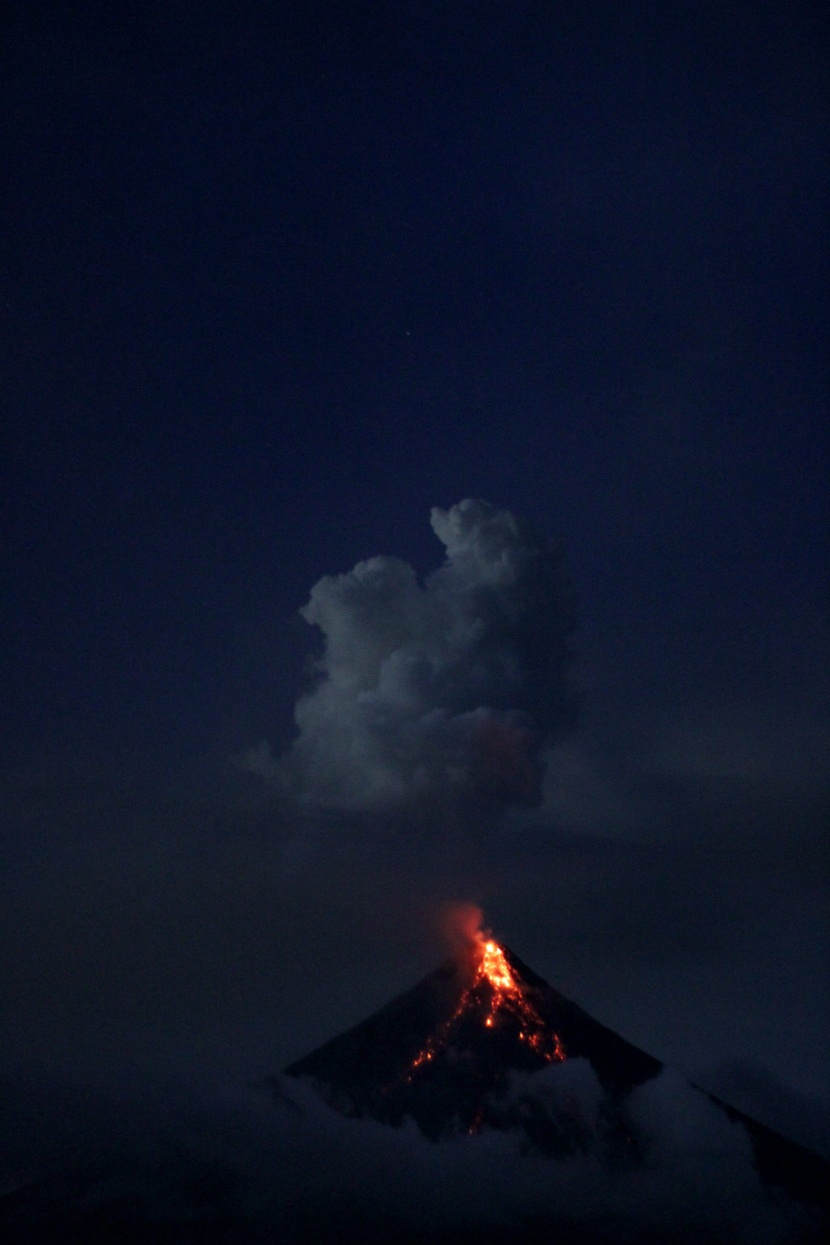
(458, 1051)
(481, 1107)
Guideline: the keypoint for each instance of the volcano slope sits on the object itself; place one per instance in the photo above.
(481, 1107)
(458, 1052)
(445, 1051)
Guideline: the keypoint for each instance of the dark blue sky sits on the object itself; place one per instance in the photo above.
(279, 278)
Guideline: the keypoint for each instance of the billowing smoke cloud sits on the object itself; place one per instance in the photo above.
(445, 689)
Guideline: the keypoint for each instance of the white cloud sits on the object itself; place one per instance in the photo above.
(445, 689)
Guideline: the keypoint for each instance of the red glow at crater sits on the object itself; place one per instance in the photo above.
(495, 995)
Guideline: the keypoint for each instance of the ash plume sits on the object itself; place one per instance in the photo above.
(444, 689)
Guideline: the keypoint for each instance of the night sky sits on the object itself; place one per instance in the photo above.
(279, 279)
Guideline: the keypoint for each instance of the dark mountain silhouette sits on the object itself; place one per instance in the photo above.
(444, 1050)
(481, 1046)
(446, 1053)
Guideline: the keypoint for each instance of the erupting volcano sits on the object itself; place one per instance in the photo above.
(571, 1135)
(444, 1052)
(467, 1047)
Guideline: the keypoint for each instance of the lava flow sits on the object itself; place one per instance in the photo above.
(495, 993)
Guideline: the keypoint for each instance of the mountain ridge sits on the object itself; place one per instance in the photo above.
(376, 1069)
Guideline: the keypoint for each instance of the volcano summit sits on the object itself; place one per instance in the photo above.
(481, 1107)
(446, 1051)
(466, 1050)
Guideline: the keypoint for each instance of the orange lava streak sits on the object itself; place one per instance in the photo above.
(505, 994)
(495, 968)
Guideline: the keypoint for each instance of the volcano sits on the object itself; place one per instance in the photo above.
(466, 1049)
(481, 1107)
(445, 1051)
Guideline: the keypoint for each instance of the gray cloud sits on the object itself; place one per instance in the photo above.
(446, 689)
(695, 1181)
(762, 1093)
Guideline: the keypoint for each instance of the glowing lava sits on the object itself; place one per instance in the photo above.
(495, 968)
(496, 993)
